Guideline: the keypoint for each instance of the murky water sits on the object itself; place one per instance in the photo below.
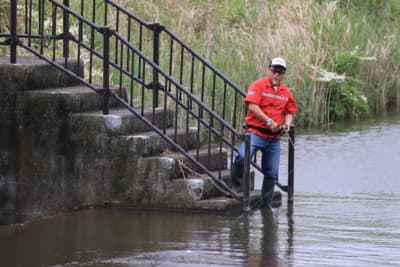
(346, 213)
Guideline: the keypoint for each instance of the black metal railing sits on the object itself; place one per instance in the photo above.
(172, 55)
(156, 78)
(191, 73)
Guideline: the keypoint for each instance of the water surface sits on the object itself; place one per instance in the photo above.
(345, 213)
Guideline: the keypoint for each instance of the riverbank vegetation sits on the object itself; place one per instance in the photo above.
(342, 55)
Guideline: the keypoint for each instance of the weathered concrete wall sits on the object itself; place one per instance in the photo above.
(32, 140)
(11, 81)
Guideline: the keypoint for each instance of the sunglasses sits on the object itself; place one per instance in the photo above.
(274, 71)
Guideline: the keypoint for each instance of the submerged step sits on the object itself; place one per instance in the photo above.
(180, 200)
(227, 204)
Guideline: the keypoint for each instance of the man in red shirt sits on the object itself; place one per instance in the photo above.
(270, 109)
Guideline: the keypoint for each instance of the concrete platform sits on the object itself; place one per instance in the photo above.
(212, 205)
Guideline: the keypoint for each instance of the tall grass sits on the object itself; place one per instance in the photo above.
(316, 37)
(240, 37)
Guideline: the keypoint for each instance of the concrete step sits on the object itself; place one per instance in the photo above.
(203, 187)
(213, 159)
(38, 74)
(207, 188)
(120, 121)
(151, 143)
(132, 124)
(66, 99)
(211, 189)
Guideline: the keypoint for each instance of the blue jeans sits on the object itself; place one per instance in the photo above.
(270, 148)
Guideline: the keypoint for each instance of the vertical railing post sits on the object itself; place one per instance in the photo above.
(66, 31)
(291, 165)
(107, 32)
(246, 174)
(105, 13)
(157, 28)
(13, 45)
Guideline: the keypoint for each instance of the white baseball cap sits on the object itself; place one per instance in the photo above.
(278, 62)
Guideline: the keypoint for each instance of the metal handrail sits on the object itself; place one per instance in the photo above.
(183, 46)
(180, 41)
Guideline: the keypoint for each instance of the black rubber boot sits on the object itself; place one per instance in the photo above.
(267, 192)
(237, 175)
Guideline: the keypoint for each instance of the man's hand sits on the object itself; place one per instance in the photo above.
(275, 127)
(284, 128)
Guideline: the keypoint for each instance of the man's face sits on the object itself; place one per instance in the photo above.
(276, 74)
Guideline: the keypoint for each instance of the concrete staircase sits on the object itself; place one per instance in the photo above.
(70, 156)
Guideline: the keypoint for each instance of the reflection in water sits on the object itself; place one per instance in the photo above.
(263, 249)
(269, 244)
(290, 230)
(259, 250)
(357, 230)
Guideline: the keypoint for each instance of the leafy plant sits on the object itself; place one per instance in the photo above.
(347, 64)
(345, 101)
